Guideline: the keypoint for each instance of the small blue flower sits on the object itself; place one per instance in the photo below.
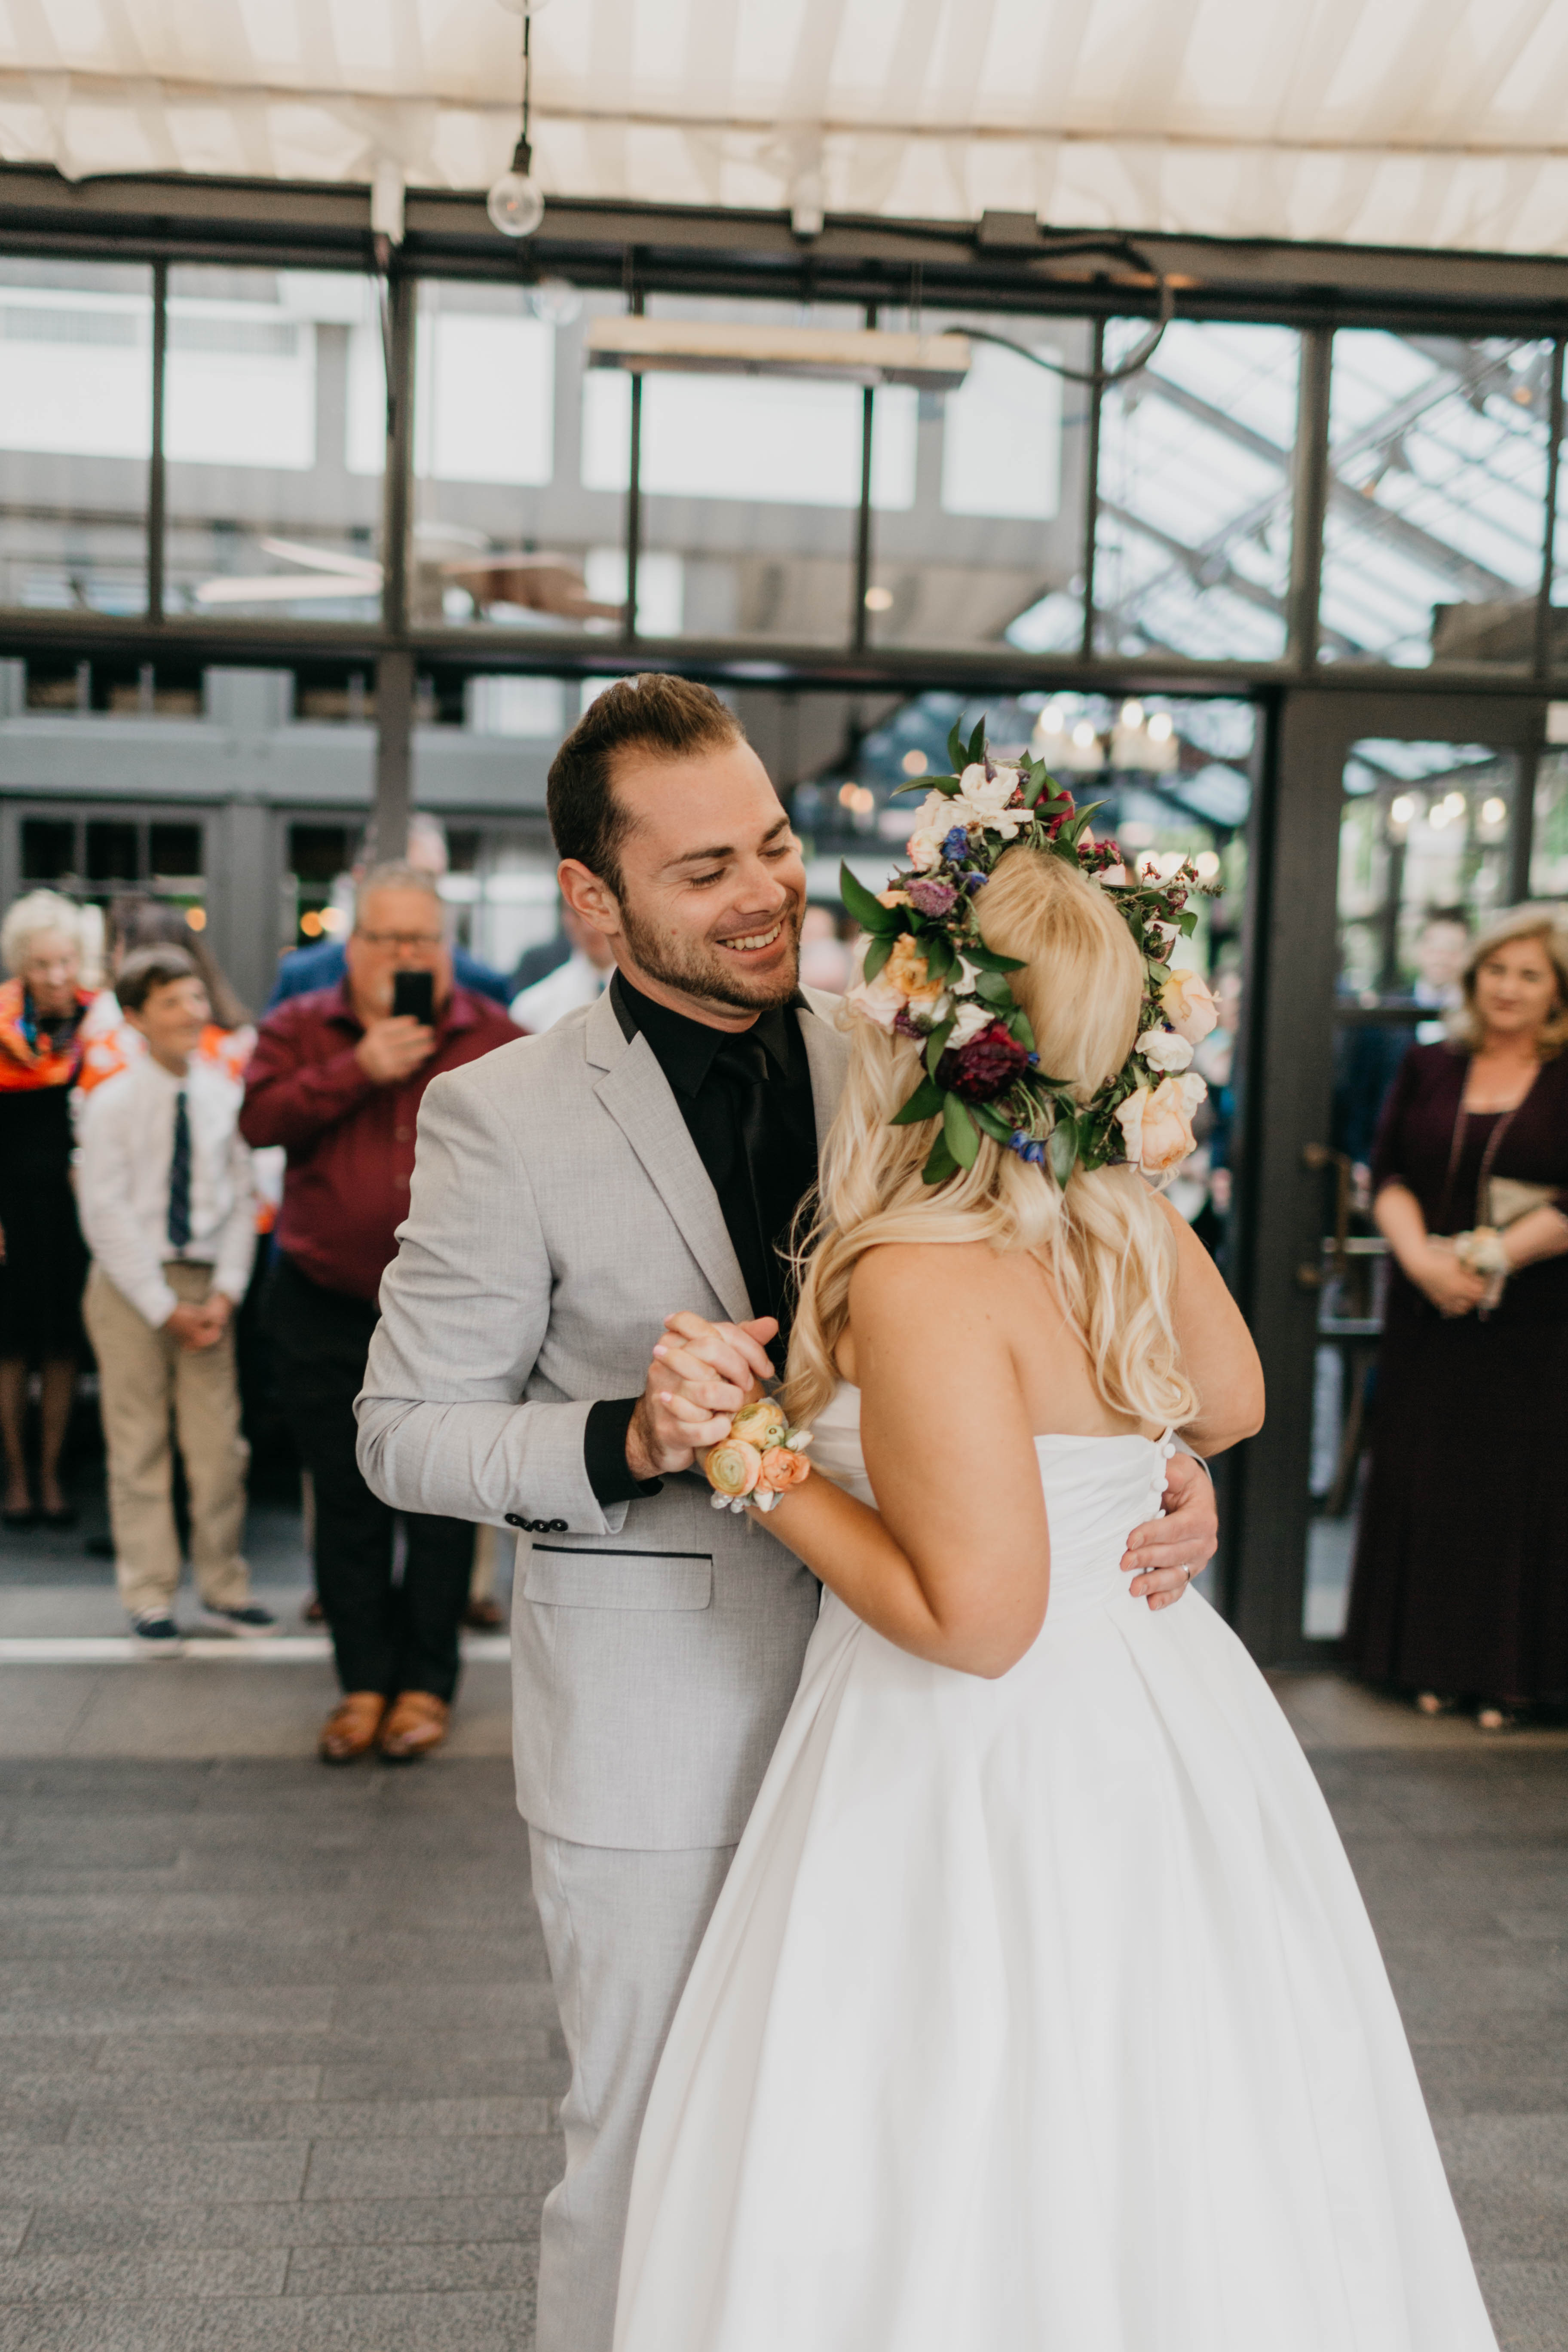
(973, 881)
(955, 844)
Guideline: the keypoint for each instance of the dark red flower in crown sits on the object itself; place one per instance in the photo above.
(986, 1067)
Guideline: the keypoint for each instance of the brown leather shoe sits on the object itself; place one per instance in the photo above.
(416, 1723)
(349, 1730)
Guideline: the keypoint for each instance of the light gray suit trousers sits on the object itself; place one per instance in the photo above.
(559, 1211)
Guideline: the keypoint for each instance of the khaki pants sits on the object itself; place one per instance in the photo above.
(145, 1376)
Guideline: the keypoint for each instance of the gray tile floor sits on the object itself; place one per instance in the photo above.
(277, 2058)
(277, 2054)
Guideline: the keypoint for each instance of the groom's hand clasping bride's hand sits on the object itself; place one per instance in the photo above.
(700, 1376)
(1163, 1555)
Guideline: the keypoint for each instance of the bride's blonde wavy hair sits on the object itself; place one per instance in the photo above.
(1105, 1240)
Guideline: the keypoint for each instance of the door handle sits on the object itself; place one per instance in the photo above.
(1316, 1157)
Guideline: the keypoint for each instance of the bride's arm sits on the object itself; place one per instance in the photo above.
(1217, 1353)
(943, 1435)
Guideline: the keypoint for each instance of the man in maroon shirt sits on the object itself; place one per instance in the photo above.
(337, 1077)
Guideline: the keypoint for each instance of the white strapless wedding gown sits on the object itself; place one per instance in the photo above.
(1042, 2014)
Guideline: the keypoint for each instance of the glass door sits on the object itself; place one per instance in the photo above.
(1424, 844)
(1391, 828)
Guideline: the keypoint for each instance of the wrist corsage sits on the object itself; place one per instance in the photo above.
(1483, 1251)
(762, 1458)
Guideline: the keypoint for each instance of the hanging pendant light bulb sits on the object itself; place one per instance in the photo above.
(516, 203)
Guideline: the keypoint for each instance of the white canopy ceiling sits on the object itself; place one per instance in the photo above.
(1434, 123)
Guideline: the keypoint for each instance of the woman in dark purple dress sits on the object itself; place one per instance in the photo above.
(1461, 1570)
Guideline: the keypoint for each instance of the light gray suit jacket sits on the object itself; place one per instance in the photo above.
(559, 1212)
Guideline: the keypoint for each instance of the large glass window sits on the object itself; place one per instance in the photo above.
(1432, 547)
(76, 426)
(979, 538)
(750, 486)
(274, 434)
(1193, 534)
(520, 464)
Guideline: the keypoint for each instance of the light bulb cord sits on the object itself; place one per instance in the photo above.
(522, 158)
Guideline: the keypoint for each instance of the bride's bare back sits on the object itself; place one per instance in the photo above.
(1015, 1300)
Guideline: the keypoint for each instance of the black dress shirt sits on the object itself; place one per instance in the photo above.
(758, 1193)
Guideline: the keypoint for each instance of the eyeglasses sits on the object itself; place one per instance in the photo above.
(402, 938)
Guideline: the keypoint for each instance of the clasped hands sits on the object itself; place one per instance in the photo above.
(200, 1324)
(703, 1372)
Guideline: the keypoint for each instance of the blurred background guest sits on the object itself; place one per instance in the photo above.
(1440, 953)
(824, 949)
(337, 1079)
(229, 1036)
(1459, 1586)
(322, 966)
(163, 1182)
(42, 1005)
(580, 979)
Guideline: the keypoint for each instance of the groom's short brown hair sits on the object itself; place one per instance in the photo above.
(668, 718)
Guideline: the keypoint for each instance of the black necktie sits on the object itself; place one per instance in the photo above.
(742, 1065)
(180, 1176)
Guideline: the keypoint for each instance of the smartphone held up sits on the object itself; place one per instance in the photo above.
(413, 996)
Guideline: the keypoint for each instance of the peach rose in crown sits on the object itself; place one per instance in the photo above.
(1188, 1005)
(903, 984)
(905, 970)
(1156, 1128)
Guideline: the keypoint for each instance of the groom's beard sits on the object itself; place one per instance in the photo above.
(700, 968)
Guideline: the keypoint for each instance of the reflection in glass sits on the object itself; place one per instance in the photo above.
(519, 506)
(76, 424)
(750, 485)
(1423, 826)
(984, 541)
(275, 429)
(1432, 547)
(1549, 841)
(1192, 537)
(1424, 862)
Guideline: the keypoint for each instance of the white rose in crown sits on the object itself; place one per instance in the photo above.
(983, 800)
(987, 794)
(924, 851)
(1156, 1127)
(1188, 1005)
(1193, 1090)
(968, 1021)
(939, 814)
(1163, 1050)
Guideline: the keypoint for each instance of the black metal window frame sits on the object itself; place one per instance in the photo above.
(1005, 264)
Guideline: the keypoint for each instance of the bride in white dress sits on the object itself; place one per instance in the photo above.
(1040, 2012)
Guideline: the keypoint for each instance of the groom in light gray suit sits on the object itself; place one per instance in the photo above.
(568, 1192)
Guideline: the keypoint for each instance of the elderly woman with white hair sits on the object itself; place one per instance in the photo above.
(43, 1259)
(1460, 1589)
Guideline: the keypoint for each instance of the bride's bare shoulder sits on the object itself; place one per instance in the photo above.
(908, 1279)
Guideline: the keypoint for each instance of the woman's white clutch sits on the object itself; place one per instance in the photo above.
(1508, 1200)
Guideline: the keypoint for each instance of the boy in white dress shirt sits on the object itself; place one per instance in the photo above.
(168, 1210)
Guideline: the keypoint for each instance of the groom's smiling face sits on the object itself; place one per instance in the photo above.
(711, 888)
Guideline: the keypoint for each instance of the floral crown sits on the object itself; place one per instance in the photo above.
(929, 974)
